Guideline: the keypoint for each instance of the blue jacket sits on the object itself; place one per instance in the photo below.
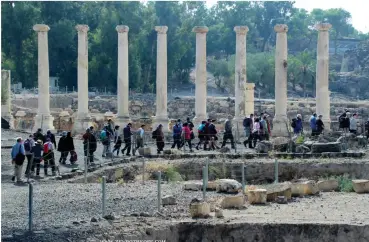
(18, 147)
(313, 123)
(177, 131)
(298, 127)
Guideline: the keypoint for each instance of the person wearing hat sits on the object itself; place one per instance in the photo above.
(127, 139)
(37, 158)
(319, 125)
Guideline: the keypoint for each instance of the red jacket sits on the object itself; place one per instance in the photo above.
(187, 132)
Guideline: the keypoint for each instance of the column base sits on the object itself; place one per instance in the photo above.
(161, 120)
(198, 119)
(280, 127)
(10, 119)
(81, 124)
(122, 121)
(45, 122)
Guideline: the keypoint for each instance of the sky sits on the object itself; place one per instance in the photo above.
(359, 9)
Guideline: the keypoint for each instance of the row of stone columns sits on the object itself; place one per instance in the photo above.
(244, 92)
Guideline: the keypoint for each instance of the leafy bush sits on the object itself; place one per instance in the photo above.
(173, 175)
(345, 183)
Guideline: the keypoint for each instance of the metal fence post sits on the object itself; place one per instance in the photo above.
(243, 178)
(275, 171)
(30, 206)
(204, 182)
(143, 171)
(207, 172)
(103, 195)
(159, 190)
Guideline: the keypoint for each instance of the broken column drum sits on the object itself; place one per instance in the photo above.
(322, 72)
(43, 119)
(280, 118)
(201, 88)
(123, 76)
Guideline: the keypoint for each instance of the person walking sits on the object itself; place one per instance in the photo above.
(140, 137)
(177, 134)
(213, 135)
(62, 148)
(89, 145)
(256, 132)
(39, 136)
(127, 139)
(18, 156)
(105, 137)
(37, 158)
(266, 127)
(319, 125)
(186, 132)
(191, 126)
(228, 133)
(248, 126)
(353, 124)
(117, 145)
(201, 134)
(158, 135)
(28, 144)
(51, 136)
(69, 145)
(313, 125)
(297, 125)
(116, 133)
(48, 157)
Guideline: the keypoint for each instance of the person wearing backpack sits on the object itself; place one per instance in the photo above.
(50, 136)
(201, 132)
(37, 158)
(105, 136)
(28, 144)
(18, 156)
(48, 156)
(177, 132)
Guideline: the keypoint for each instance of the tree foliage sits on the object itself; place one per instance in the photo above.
(19, 41)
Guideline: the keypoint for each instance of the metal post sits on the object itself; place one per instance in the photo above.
(159, 190)
(30, 206)
(243, 178)
(30, 168)
(86, 170)
(207, 173)
(143, 171)
(275, 171)
(103, 195)
(204, 182)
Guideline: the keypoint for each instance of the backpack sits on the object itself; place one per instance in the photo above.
(293, 123)
(154, 134)
(201, 127)
(27, 145)
(103, 135)
(73, 156)
(46, 148)
(19, 158)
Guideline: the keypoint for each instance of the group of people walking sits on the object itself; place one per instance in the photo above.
(256, 128)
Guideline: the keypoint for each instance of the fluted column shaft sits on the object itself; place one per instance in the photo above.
(201, 77)
(322, 72)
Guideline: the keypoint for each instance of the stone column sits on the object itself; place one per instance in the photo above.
(280, 120)
(123, 82)
(322, 71)
(201, 87)
(5, 98)
(240, 77)
(82, 121)
(161, 116)
(249, 99)
(43, 119)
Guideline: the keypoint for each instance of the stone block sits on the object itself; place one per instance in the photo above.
(328, 185)
(233, 202)
(280, 189)
(263, 147)
(145, 151)
(228, 186)
(168, 200)
(326, 147)
(302, 149)
(212, 185)
(281, 200)
(199, 209)
(257, 196)
(219, 213)
(304, 187)
(280, 144)
(361, 186)
(193, 185)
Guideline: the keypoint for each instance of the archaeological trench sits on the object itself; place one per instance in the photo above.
(287, 189)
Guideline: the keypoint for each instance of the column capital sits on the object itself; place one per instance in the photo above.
(122, 28)
(82, 28)
(41, 28)
(281, 28)
(241, 29)
(200, 29)
(323, 26)
(161, 29)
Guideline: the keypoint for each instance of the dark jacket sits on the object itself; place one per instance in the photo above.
(62, 144)
(177, 131)
(69, 143)
(212, 129)
(39, 136)
(298, 128)
(51, 137)
(127, 132)
(247, 123)
(90, 141)
(319, 125)
(37, 151)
